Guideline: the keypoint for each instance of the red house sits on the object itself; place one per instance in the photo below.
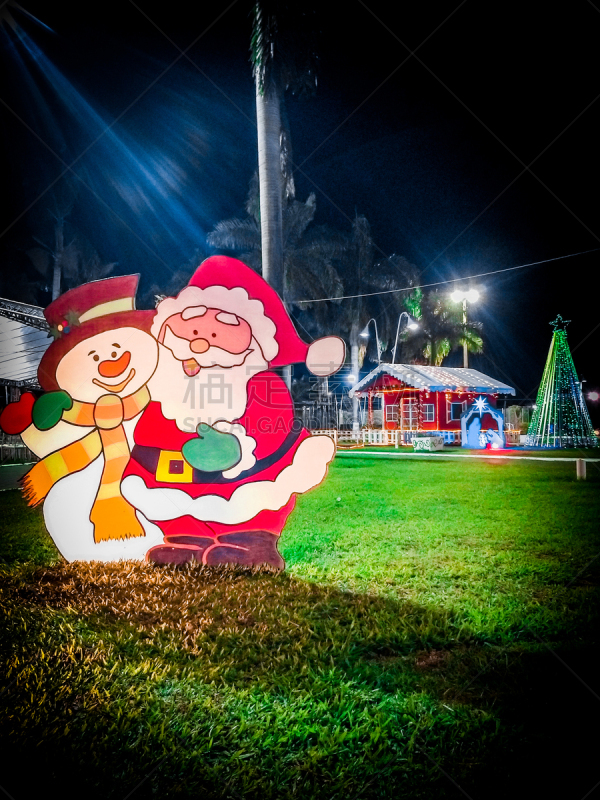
(412, 398)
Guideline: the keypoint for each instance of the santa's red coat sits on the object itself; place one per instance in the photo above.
(268, 418)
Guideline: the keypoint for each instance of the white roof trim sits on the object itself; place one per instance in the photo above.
(437, 379)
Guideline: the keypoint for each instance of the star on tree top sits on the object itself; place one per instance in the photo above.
(559, 323)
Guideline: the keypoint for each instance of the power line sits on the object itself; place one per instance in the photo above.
(449, 280)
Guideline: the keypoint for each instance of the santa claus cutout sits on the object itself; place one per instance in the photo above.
(218, 457)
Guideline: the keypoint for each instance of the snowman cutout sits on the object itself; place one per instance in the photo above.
(95, 374)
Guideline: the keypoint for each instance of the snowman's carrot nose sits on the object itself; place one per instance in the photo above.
(110, 369)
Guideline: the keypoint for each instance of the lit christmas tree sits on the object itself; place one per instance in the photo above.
(561, 418)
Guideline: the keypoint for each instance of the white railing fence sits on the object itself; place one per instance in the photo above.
(331, 432)
(385, 438)
(13, 451)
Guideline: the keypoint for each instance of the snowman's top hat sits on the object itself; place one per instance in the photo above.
(86, 311)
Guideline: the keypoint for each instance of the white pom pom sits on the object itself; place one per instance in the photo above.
(326, 356)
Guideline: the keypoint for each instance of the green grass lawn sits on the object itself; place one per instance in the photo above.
(436, 634)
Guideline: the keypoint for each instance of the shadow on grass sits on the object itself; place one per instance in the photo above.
(133, 680)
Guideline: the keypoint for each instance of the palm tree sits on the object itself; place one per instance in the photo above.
(308, 253)
(283, 57)
(440, 331)
(174, 283)
(69, 260)
(362, 274)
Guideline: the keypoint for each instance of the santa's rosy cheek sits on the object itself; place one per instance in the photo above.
(180, 327)
(233, 338)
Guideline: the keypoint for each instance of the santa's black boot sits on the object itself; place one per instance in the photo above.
(179, 550)
(248, 548)
(186, 539)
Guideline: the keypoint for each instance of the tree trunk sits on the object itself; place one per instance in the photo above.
(59, 249)
(355, 371)
(268, 119)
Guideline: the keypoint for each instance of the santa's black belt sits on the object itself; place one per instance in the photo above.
(169, 466)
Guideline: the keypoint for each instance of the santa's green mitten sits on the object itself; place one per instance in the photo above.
(48, 409)
(212, 450)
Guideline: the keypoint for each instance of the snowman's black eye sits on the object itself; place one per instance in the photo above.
(96, 358)
(113, 355)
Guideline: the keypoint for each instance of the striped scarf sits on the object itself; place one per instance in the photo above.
(111, 515)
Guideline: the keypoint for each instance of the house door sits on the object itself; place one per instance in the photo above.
(410, 417)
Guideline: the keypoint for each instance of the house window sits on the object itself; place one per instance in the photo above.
(456, 409)
(391, 413)
(428, 412)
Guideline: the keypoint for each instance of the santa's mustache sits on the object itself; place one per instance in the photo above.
(213, 357)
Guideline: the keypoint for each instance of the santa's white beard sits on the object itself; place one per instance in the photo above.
(215, 393)
(212, 357)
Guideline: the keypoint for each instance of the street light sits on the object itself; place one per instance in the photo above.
(365, 334)
(410, 323)
(472, 296)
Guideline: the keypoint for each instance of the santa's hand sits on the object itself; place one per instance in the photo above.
(325, 356)
(213, 450)
(48, 409)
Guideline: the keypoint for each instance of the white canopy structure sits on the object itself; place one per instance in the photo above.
(23, 341)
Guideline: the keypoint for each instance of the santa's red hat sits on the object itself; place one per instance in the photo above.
(222, 271)
(83, 312)
(231, 273)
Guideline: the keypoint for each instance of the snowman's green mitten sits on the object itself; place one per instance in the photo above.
(48, 409)
(212, 450)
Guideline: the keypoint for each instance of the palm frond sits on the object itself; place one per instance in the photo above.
(362, 240)
(326, 240)
(235, 234)
(283, 45)
(309, 277)
(262, 41)
(472, 339)
(297, 216)
(253, 260)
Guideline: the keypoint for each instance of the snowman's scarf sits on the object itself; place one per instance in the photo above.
(112, 516)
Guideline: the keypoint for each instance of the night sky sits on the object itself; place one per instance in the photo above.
(433, 148)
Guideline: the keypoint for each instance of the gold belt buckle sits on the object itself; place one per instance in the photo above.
(173, 468)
